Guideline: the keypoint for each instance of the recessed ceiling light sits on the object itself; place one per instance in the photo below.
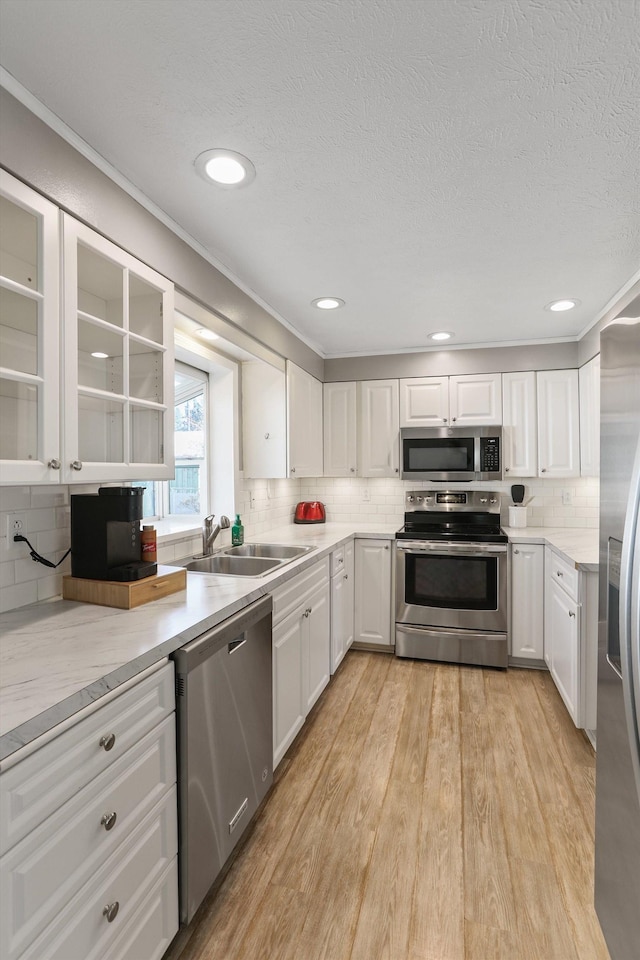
(442, 335)
(559, 305)
(100, 356)
(225, 168)
(328, 303)
(207, 334)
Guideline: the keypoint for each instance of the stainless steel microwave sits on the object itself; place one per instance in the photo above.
(451, 453)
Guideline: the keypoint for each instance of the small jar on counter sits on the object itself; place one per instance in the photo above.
(148, 544)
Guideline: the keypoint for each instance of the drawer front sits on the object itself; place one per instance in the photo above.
(337, 561)
(563, 573)
(82, 931)
(289, 597)
(37, 786)
(43, 872)
(153, 925)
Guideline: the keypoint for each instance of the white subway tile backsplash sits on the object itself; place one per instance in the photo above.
(15, 498)
(18, 595)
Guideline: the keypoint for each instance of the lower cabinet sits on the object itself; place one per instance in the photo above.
(373, 594)
(301, 651)
(342, 593)
(526, 639)
(85, 864)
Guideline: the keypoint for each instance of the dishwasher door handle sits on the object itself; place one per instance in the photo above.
(236, 644)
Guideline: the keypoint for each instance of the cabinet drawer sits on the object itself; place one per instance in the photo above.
(154, 924)
(81, 931)
(337, 561)
(290, 596)
(564, 573)
(34, 888)
(37, 786)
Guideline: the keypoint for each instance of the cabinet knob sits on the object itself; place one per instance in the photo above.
(76, 464)
(108, 741)
(516, 551)
(544, 470)
(111, 911)
(387, 546)
(444, 420)
(506, 469)
(267, 435)
(352, 469)
(453, 419)
(346, 576)
(559, 573)
(54, 464)
(571, 613)
(109, 820)
(307, 612)
(397, 470)
(293, 470)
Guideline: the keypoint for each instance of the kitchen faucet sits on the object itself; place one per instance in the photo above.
(209, 532)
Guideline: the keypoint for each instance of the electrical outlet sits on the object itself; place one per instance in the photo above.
(16, 523)
(566, 498)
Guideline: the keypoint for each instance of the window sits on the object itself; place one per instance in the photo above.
(187, 494)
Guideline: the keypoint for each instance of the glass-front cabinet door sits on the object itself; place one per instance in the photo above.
(118, 362)
(29, 335)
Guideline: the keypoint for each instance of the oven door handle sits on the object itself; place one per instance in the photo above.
(452, 549)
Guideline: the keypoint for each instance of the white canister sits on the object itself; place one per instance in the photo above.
(517, 516)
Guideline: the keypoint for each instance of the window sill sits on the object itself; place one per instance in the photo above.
(167, 531)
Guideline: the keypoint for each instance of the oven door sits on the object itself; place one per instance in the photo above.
(457, 585)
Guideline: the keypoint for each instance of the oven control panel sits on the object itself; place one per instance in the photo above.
(454, 501)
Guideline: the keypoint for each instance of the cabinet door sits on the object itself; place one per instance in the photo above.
(349, 593)
(338, 645)
(558, 423)
(373, 593)
(288, 700)
(29, 336)
(519, 428)
(264, 420)
(476, 399)
(339, 429)
(317, 639)
(562, 628)
(304, 418)
(589, 385)
(424, 402)
(527, 600)
(378, 428)
(118, 348)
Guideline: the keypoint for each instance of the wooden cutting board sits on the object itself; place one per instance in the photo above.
(125, 595)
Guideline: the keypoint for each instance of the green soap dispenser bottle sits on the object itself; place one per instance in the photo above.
(237, 532)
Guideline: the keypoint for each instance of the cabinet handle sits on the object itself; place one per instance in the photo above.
(397, 470)
(506, 469)
(54, 464)
(108, 741)
(267, 435)
(346, 576)
(111, 911)
(571, 613)
(559, 573)
(307, 611)
(544, 470)
(76, 464)
(444, 420)
(516, 551)
(453, 419)
(352, 469)
(293, 470)
(109, 820)
(387, 546)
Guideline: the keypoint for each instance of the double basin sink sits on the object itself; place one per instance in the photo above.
(249, 560)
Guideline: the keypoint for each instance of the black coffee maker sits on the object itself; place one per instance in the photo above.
(105, 535)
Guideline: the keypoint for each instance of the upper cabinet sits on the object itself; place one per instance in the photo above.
(118, 362)
(378, 428)
(471, 400)
(589, 384)
(29, 336)
(110, 394)
(340, 430)
(304, 417)
(558, 423)
(264, 420)
(519, 424)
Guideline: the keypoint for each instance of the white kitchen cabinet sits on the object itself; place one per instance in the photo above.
(342, 600)
(589, 386)
(519, 425)
(558, 423)
(340, 451)
(104, 834)
(264, 420)
(373, 599)
(570, 635)
(527, 601)
(304, 423)
(30, 379)
(378, 428)
(118, 350)
(476, 399)
(301, 651)
(424, 402)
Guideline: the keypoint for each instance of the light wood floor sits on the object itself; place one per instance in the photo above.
(426, 812)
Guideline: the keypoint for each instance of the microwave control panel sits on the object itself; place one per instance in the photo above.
(489, 454)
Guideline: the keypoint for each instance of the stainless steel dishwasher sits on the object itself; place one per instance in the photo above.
(225, 743)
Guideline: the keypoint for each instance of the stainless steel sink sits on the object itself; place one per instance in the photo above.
(249, 560)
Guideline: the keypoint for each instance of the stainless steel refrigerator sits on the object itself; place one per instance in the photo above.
(617, 865)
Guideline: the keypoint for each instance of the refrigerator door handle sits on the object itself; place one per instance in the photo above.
(629, 612)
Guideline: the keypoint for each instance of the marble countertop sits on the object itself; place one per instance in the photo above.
(58, 656)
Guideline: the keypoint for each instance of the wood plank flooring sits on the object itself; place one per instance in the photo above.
(425, 812)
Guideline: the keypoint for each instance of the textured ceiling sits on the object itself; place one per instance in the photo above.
(438, 164)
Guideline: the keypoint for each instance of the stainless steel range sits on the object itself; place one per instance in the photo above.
(451, 578)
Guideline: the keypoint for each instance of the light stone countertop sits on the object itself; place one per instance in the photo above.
(59, 656)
